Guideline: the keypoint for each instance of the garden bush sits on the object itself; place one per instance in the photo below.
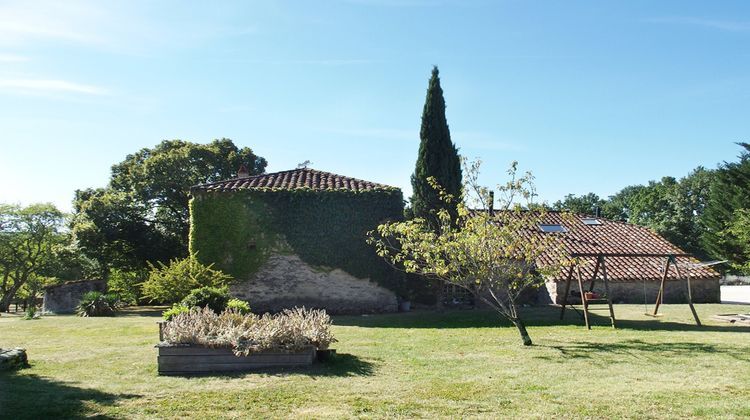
(238, 305)
(291, 330)
(126, 285)
(98, 304)
(172, 283)
(174, 310)
(214, 298)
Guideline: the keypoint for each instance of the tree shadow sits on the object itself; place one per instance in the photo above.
(638, 348)
(32, 396)
(449, 318)
(534, 316)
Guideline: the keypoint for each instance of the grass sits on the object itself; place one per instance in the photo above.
(421, 364)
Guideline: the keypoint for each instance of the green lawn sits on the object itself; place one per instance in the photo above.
(422, 364)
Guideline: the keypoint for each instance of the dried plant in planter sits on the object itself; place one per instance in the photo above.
(291, 330)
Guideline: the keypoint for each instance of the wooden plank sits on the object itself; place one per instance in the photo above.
(660, 295)
(606, 291)
(583, 298)
(596, 271)
(690, 294)
(240, 360)
(567, 291)
(624, 254)
(196, 359)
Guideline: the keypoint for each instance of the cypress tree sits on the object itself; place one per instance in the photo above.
(438, 157)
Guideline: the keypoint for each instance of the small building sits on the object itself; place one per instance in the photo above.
(298, 238)
(635, 261)
(64, 298)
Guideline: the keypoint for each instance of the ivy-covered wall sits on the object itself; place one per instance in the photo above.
(238, 231)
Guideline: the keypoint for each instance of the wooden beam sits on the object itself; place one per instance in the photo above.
(690, 294)
(583, 298)
(624, 254)
(567, 290)
(596, 271)
(660, 295)
(606, 290)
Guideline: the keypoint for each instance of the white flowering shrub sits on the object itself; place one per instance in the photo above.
(291, 330)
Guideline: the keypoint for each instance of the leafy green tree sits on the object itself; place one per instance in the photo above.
(28, 237)
(584, 204)
(729, 198)
(172, 283)
(142, 215)
(437, 158)
(480, 252)
(739, 230)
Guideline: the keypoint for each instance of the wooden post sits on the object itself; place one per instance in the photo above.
(660, 295)
(690, 293)
(606, 291)
(583, 298)
(567, 290)
(596, 271)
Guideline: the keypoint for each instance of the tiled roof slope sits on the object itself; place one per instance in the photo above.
(295, 179)
(611, 237)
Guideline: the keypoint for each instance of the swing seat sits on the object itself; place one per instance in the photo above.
(654, 316)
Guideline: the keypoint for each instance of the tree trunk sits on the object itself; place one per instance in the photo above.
(8, 297)
(522, 330)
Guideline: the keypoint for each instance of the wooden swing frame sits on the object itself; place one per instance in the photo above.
(601, 265)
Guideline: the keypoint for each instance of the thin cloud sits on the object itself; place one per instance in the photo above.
(724, 25)
(49, 86)
(12, 58)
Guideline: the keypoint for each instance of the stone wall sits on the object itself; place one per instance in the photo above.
(285, 281)
(64, 298)
(675, 291)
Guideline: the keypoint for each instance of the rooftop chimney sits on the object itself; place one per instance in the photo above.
(243, 172)
(597, 211)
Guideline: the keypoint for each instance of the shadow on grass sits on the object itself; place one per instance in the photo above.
(148, 311)
(536, 316)
(31, 396)
(636, 348)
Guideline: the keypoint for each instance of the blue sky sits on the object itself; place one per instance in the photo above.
(589, 96)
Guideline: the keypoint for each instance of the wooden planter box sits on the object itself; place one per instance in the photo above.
(186, 360)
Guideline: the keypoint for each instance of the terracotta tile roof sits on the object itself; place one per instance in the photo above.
(295, 179)
(612, 237)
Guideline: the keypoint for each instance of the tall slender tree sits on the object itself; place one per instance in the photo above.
(438, 158)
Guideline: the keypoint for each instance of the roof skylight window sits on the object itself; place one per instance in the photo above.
(591, 221)
(552, 228)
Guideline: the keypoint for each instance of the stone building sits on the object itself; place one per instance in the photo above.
(64, 298)
(635, 261)
(297, 238)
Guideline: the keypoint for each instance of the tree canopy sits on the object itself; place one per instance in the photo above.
(28, 238)
(481, 252)
(437, 158)
(726, 212)
(142, 215)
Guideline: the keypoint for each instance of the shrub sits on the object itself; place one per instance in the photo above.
(174, 310)
(291, 330)
(239, 306)
(214, 298)
(30, 313)
(172, 283)
(98, 304)
(126, 285)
